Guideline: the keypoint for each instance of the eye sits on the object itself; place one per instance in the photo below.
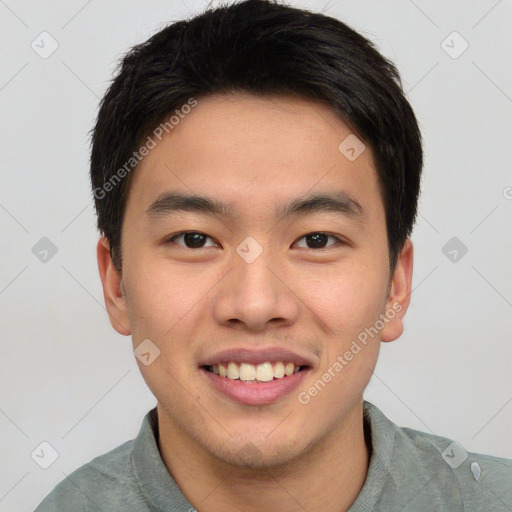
(192, 239)
(196, 239)
(318, 240)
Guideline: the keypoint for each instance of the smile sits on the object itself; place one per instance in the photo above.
(253, 385)
(251, 376)
(247, 372)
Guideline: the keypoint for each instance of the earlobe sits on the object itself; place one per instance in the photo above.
(399, 295)
(111, 280)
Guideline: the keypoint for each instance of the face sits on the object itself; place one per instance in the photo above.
(257, 284)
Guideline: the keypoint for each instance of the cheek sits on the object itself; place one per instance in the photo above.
(159, 297)
(165, 307)
(160, 311)
(347, 298)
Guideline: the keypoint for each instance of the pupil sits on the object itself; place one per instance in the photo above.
(193, 239)
(317, 240)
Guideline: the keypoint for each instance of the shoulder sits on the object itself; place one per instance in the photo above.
(107, 479)
(476, 481)
(431, 472)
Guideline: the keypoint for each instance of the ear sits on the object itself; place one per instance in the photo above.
(115, 300)
(399, 294)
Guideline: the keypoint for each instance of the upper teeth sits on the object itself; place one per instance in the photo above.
(249, 372)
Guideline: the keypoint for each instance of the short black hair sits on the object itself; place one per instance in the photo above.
(259, 47)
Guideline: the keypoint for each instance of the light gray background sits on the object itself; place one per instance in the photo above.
(69, 379)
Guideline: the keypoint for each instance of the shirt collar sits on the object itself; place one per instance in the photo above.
(154, 480)
(382, 433)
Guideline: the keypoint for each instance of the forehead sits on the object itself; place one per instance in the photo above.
(254, 152)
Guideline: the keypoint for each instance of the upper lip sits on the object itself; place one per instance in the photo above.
(259, 356)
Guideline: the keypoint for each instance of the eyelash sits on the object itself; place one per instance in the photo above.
(172, 239)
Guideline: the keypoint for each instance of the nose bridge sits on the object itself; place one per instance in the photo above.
(251, 267)
(252, 293)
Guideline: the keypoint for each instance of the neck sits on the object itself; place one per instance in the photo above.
(327, 477)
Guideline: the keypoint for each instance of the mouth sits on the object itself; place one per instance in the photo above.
(255, 373)
(255, 378)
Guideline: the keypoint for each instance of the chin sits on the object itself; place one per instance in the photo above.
(258, 454)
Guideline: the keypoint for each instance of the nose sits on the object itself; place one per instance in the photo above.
(256, 294)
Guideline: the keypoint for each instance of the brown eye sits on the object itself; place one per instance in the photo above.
(191, 239)
(319, 240)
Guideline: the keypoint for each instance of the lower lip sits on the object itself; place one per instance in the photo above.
(256, 393)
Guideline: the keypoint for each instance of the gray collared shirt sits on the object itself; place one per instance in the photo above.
(409, 471)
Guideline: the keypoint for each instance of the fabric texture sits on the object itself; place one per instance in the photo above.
(409, 471)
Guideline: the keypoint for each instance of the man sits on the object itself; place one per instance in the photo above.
(256, 172)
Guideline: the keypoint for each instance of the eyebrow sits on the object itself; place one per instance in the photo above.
(341, 202)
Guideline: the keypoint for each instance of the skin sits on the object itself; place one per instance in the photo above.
(257, 152)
